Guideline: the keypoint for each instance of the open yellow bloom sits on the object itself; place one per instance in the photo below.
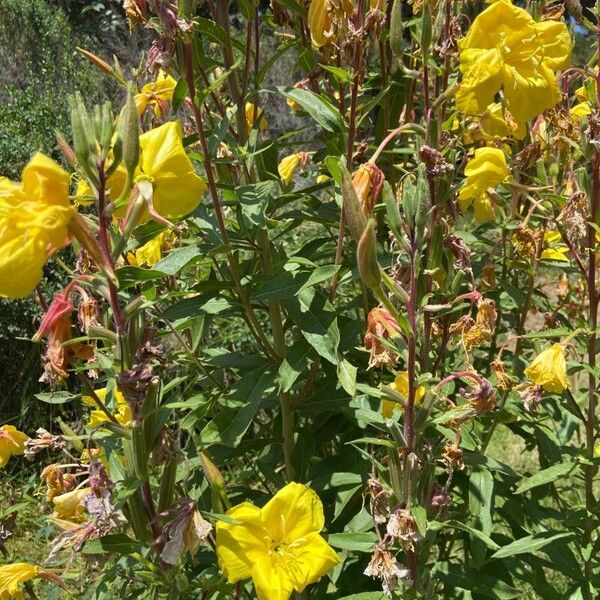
(279, 546)
(151, 252)
(156, 94)
(485, 170)
(69, 506)
(177, 190)
(12, 443)
(288, 165)
(549, 369)
(319, 22)
(12, 576)
(506, 49)
(255, 115)
(34, 216)
(400, 386)
(554, 247)
(496, 123)
(97, 417)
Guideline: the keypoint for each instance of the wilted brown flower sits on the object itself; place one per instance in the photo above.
(402, 526)
(367, 181)
(482, 330)
(380, 325)
(452, 457)
(530, 394)
(525, 242)
(52, 475)
(503, 379)
(574, 217)
(184, 533)
(481, 397)
(44, 440)
(462, 325)
(379, 498)
(384, 566)
(435, 164)
(488, 276)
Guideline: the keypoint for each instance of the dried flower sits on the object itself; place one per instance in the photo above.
(530, 394)
(384, 566)
(379, 498)
(402, 526)
(381, 325)
(452, 457)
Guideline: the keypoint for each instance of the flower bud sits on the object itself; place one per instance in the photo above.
(355, 216)
(396, 29)
(426, 29)
(366, 253)
(130, 132)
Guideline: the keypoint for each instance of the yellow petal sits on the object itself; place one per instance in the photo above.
(177, 189)
(13, 575)
(549, 369)
(12, 443)
(45, 180)
(294, 512)
(239, 547)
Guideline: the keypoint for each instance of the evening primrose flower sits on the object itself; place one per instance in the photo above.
(485, 170)
(151, 252)
(122, 412)
(288, 166)
(156, 94)
(69, 506)
(506, 49)
(255, 115)
(497, 123)
(554, 247)
(34, 219)
(319, 22)
(12, 443)
(176, 189)
(400, 386)
(12, 576)
(549, 369)
(279, 546)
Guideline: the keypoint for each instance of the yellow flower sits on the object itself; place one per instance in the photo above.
(12, 443)
(555, 249)
(156, 94)
(485, 170)
(255, 115)
(506, 49)
(583, 109)
(177, 190)
(549, 369)
(34, 216)
(13, 575)
(97, 417)
(69, 506)
(279, 546)
(151, 252)
(287, 167)
(319, 22)
(496, 123)
(400, 386)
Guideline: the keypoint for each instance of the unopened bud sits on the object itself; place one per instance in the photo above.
(355, 216)
(396, 29)
(366, 254)
(426, 29)
(130, 133)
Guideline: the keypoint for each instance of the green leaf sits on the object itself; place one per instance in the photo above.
(420, 515)
(57, 397)
(205, 304)
(179, 94)
(230, 425)
(354, 541)
(339, 74)
(489, 542)
(177, 259)
(318, 108)
(294, 7)
(546, 476)
(295, 362)
(530, 543)
(254, 200)
(366, 596)
(116, 543)
(347, 376)
(548, 333)
(129, 276)
(316, 319)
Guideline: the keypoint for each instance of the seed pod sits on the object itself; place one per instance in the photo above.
(366, 254)
(397, 29)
